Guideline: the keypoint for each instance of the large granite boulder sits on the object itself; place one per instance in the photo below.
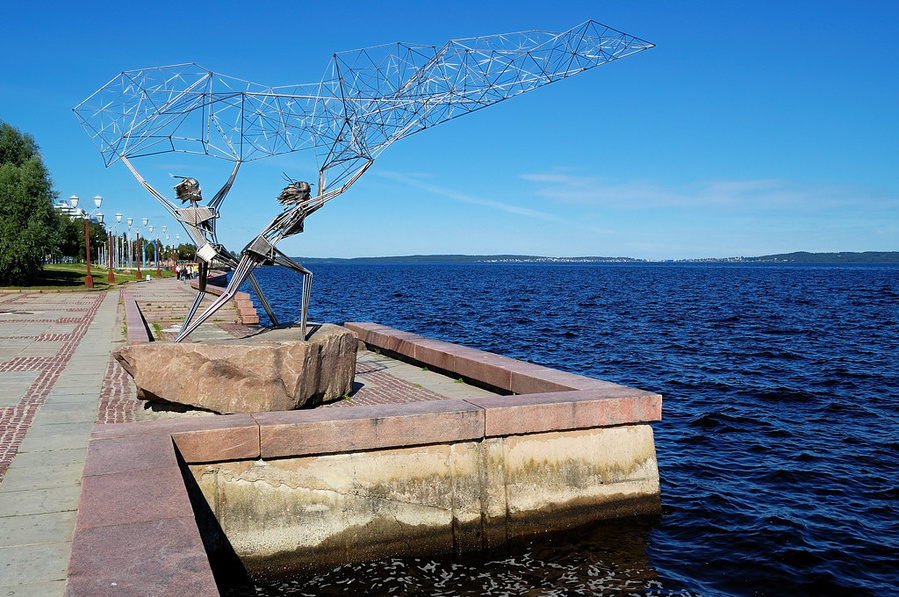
(268, 371)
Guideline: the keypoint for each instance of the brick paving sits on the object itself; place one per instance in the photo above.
(19, 314)
(380, 387)
(118, 403)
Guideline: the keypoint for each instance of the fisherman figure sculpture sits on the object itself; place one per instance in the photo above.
(367, 100)
(199, 223)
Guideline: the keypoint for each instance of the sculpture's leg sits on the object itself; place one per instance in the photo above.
(265, 304)
(283, 260)
(191, 312)
(247, 263)
(203, 278)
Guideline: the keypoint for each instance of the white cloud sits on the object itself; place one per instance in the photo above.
(414, 180)
(752, 195)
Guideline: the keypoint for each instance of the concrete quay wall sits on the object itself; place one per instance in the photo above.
(309, 487)
(321, 511)
(479, 474)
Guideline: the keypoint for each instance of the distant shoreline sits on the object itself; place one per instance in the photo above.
(797, 257)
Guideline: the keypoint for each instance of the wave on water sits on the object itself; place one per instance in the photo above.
(777, 450)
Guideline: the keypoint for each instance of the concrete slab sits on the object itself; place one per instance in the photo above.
(40, 589)
(42, 349)
(72, 395)
(40, 440)
(31, 564)
(84, 411)
(25, 478)
(11, 347)
(48, 458)
(13, 386)
(30, 529)
(39, 501)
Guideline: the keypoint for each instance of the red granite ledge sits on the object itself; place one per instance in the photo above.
(134, 446)
(237, 439)
(170, 426)
(131, 497)
(494, 370)
(135, 532)
(308, 432)
(433, 353)
(157, 557)
(246, 311)
(528, 378)
(130, 455)
(136, 327)
(562, 411)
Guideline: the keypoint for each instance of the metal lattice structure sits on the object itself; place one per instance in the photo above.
(367, 100)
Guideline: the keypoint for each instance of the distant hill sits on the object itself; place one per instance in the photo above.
(467, 259)
(798, 257)
(845, 257)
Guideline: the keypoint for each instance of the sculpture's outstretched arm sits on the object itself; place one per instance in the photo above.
(287, 222)
(169, 206)
(223, 192)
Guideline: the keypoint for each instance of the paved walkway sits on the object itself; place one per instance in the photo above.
(54, 352)
(58, 378)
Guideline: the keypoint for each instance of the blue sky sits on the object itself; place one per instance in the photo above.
(751, 128)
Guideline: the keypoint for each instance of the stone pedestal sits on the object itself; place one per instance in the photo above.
(272, 370)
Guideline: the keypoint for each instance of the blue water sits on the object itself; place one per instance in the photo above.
(779, 446)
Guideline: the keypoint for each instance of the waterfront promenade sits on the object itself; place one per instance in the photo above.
(54, 356)
(58, 380)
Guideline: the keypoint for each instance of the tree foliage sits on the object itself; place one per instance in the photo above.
(28, 225)
(71, 238)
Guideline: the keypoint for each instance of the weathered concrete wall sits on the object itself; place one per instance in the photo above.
(318, 511)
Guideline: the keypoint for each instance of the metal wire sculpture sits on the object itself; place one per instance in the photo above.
(367, 99)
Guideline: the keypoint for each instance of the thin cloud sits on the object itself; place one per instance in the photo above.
(415, 181)
(765, 194)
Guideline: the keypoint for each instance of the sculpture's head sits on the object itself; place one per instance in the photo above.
(295, 193)
(188, 190)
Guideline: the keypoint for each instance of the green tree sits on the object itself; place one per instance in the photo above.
(28, 226)
(185, 252)
(71, 237)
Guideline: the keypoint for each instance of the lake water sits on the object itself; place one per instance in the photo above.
(779, 446)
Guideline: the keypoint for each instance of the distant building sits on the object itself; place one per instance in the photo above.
(74, 213)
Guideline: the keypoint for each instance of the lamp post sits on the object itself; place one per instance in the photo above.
(73, 201)
(140, 252)
(130, 247)
(157, 240)
(118, 255)
(156, 251)
(137, 239)
(101, 248)
(110, 275)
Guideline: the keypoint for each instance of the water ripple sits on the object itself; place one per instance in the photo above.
(777, 453)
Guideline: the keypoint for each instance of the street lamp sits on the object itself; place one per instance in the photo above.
(156, 252)
(110, 275)
(140, 252)
(118, 255)
(130, 247)
(73, 201)
(166, 238)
